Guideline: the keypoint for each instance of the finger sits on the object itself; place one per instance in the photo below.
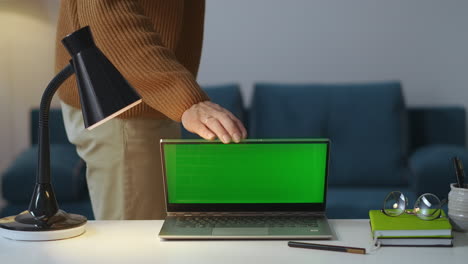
(204, 131)
(239, 124)
(214, 125)
(230, 126)
(242, 128)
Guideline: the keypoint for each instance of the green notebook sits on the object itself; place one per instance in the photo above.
(408, 226)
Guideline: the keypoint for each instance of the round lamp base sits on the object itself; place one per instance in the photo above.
(41, 235)
(15, 228)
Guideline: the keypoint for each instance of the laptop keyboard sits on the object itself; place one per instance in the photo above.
(245, 221)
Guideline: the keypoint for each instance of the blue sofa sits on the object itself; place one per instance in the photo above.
(378, 144)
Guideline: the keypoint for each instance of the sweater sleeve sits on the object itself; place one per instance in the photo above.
(127, 37)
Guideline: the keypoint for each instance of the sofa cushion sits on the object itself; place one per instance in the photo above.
(355, 203)
(367, 125)
(227, 96)
(289, 111)
(67, 171)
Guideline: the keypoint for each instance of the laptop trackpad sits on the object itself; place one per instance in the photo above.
(239, 231)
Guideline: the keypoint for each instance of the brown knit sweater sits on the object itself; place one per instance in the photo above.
(155, 44)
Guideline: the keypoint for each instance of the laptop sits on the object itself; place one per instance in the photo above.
(255, 189)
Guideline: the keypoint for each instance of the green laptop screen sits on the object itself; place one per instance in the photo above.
(246, 173)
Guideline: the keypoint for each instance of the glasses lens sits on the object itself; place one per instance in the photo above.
(427, 206)
(395, 204)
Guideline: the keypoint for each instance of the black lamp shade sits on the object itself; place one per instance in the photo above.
(104, 92)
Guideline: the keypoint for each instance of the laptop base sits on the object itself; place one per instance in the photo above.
(173, 229)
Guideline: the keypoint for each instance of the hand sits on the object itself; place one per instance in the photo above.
(210, 120)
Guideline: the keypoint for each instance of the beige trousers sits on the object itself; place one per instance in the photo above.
(123, 162)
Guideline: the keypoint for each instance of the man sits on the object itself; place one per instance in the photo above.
(156, 45)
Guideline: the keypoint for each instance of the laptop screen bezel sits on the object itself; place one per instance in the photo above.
(246, 207)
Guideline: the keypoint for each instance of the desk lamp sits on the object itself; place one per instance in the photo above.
(104, 94)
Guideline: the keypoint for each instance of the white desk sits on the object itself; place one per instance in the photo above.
(137, 242)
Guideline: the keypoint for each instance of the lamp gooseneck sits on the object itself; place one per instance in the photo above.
(43, 172)
(43, 203)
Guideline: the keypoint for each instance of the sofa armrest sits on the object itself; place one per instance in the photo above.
(432, 168)
(436, 125)
(67, 170)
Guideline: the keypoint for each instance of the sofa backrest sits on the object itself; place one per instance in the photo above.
(367, 125)
(341, 112)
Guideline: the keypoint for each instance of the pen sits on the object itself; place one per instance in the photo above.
(354, 250)
(460, 173)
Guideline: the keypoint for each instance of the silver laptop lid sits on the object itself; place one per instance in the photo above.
(255, 175)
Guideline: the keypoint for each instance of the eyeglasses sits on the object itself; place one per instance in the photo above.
(427, 206)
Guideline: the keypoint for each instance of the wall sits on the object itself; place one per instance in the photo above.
(26, 66)
(421, 42)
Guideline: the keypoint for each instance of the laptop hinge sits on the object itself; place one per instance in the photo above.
(318, 214)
